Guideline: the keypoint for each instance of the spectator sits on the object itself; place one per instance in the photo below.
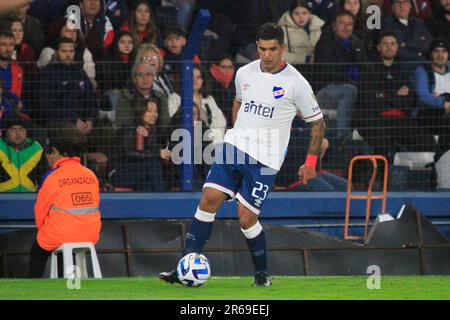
(10, 71)
(411, 32)
(150, 53)
(439, 22)
(421, 8)
(33, 34)
(174, 42)
(298, 147)
(247, 17)
(342, 52)
(210, 113)
(141, 168)
(20, 158)
(115, 67)
(96, 28)
(65, 91)
(48, 11)
(132, 101)
(356, 7)
(432, 85)
(222, 85)
(23, 54)
(83, 57)
(60, 217)
(324, 9)
(117, 11)
(10, 104)
(142, 24)
(220, 32)
(387, 99)
(302, 31)
(203, 136)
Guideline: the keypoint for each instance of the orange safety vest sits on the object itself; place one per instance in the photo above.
(67, 205)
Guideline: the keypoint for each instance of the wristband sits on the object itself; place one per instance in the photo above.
(311, 160)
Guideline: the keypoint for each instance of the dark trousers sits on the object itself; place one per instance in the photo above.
(38, 260)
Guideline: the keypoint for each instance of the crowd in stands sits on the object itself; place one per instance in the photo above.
(114, 75)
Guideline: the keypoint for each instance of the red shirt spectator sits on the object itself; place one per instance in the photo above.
(23, 53)
(10, 72)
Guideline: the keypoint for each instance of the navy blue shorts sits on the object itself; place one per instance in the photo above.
(240, 176)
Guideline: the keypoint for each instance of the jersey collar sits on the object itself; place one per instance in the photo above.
(282, 67)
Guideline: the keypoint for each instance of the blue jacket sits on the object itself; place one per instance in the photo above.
(424, 86)
(415, 37)
(66, 93)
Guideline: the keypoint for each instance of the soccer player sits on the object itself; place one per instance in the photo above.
(269, 94)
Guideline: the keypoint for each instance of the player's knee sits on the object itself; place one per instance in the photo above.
(211, 201)
(247, 220)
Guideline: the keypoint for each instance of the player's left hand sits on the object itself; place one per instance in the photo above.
(306, 173)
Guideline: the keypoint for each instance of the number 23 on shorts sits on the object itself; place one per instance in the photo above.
(260, 191)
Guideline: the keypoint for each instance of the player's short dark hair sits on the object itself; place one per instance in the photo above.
(386, 33)
(62, 40)
(342, 12)
(64, 137)
(271, 31)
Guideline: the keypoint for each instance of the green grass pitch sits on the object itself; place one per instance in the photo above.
(236, 288)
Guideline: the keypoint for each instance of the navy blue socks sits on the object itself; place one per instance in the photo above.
(199, 231)
(256, 241)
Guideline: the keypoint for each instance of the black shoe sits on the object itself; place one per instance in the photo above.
(170, 277)
(262, 279)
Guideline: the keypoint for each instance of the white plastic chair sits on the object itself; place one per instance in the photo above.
(79, 248)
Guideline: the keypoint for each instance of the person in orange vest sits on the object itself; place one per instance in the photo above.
(68, 199)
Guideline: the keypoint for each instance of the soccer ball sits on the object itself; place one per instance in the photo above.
(193, 270)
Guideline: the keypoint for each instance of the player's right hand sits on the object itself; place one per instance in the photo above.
(306, 173)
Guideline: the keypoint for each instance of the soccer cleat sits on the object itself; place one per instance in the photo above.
(170, 277)
(262, 279)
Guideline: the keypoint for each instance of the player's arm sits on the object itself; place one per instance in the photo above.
(235, 110)
(308, 170)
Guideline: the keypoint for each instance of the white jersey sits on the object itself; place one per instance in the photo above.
(269, 103)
